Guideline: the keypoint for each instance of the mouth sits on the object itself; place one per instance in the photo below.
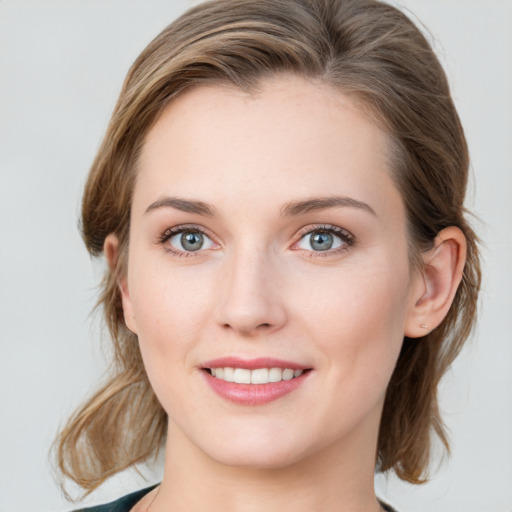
(254, 381)
(256, 376)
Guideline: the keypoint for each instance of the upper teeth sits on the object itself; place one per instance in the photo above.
(258, 376)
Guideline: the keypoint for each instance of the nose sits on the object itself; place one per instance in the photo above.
(251, 296)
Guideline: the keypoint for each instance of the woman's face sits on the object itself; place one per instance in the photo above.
(268, 240)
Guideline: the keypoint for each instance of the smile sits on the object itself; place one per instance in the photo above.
(256, 376)
(253, 382)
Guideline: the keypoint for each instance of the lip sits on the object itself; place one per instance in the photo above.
(253, 394)
(253, 364)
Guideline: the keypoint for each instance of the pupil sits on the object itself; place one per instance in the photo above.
(191, 241)
(321, 241)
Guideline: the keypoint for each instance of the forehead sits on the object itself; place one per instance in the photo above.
(290, 137)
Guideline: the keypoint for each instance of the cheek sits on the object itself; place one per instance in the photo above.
(358, 319)
(167, 325)
(163, 298)
(171, 309)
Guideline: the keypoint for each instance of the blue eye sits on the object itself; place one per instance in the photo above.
(190, 241)
(321, 240)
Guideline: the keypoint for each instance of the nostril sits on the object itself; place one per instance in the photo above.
(264, 326)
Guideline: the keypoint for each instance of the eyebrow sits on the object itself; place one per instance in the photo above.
(289, 209)
(185, 205)
(322, 203)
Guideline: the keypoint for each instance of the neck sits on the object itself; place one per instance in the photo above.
(337, 478)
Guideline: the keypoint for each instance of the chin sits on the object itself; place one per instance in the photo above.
(256, 458)
(263, 449)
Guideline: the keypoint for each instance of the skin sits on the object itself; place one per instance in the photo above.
(258, 289)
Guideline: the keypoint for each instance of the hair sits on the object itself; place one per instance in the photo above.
(364, 48)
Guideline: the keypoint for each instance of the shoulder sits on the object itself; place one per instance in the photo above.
(123, 504)
(386, 507)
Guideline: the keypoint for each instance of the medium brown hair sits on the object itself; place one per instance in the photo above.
(364, 48)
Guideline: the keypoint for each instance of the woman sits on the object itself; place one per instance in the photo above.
(279, 196)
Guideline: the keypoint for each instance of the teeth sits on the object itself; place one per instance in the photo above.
(228, 374)
(275, 375)
(287, 374)
(242, 376)
(257, 376)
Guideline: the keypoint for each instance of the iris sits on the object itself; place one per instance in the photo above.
(192, 241)
(321, 241)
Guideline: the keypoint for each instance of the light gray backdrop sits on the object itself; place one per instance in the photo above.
(62, 65)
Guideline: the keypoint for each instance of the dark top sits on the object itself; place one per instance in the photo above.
(125, 503)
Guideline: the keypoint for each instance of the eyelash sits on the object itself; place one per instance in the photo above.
(187, 228)
(345, 236)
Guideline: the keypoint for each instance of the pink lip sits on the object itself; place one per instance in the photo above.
(253, 364)
(253, 394)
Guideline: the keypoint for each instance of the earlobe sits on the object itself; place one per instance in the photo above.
(111, 251)
(440, 277)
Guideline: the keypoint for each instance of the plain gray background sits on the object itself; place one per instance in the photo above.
(61, 67)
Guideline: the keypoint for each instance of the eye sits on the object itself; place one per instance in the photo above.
(325, 239)
(187, 240)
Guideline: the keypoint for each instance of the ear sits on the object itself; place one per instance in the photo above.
(437, 282)
(111, 251)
